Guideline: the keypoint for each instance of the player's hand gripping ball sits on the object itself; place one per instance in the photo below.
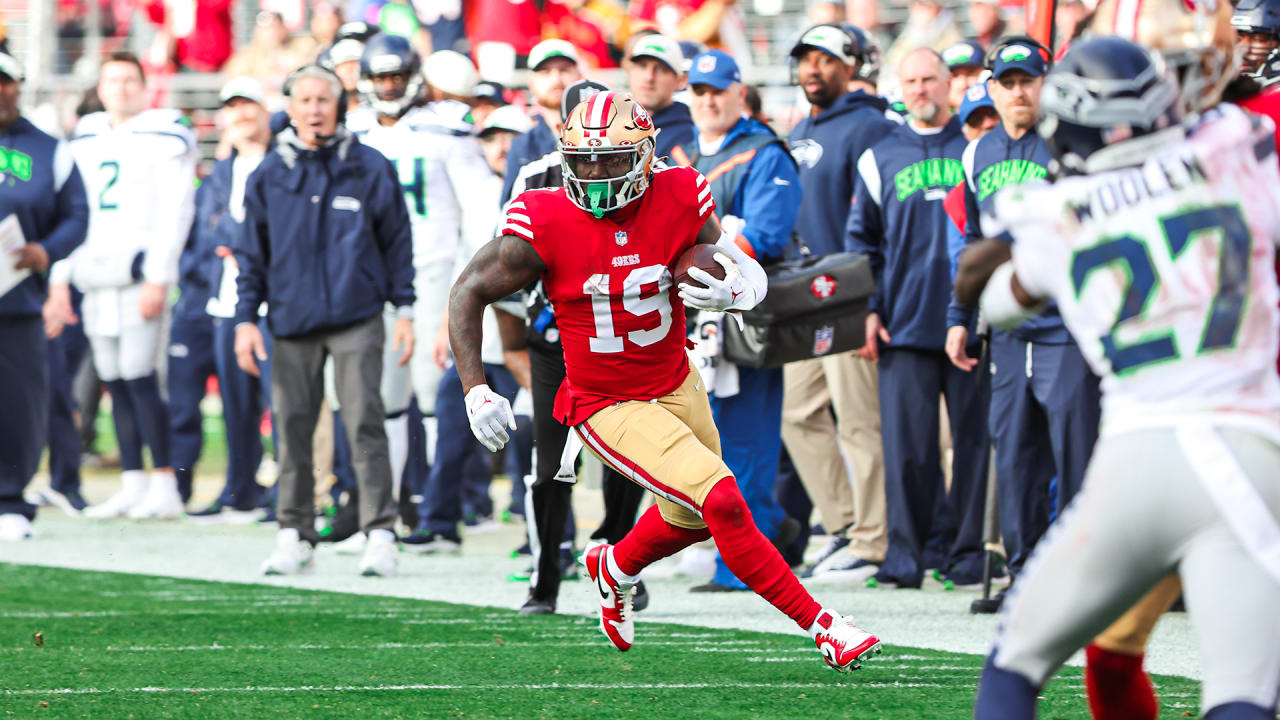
(708, 279)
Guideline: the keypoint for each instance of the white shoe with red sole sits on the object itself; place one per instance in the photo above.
(842, 644)
(616, 621)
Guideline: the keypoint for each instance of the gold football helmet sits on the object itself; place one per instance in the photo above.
(1194, 37)
(606, 152)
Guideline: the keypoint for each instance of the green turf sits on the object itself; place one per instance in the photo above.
(224, 650)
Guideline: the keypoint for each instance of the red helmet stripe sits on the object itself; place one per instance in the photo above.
(598, 110)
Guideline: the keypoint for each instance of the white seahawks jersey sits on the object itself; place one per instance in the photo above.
(140, 180)
(438, 161)
(1165, 273)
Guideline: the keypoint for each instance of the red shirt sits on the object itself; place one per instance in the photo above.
(203, 38)
(515, 22)
(621, 320)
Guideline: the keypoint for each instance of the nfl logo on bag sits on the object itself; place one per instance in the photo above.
(822, 339)
(620, 237)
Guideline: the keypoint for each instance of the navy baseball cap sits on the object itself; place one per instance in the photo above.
(715, 68)
(1018, 56)
(490, 91)
(975, 98)
(965, 54)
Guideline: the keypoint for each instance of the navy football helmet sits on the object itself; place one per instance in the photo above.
(386, 54)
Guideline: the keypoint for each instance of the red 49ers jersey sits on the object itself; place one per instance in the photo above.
(621, 321)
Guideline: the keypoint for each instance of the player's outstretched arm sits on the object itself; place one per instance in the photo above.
(502, 267)
(977, 261)
(986, 276)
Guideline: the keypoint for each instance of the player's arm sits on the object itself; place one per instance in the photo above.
(502, 267)
(986, 276)
(745, 282)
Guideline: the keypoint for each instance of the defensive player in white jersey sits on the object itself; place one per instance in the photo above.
(1159, 250)
(434, 150)
(139, 172)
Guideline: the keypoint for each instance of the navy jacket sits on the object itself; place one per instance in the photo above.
(196, 258)
(39, 183)
(525, 149)
(326, 238)
(992, 162)
(826, 147)
(898, 221)
(676, 123)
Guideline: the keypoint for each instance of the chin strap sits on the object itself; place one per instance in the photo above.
(597, 192)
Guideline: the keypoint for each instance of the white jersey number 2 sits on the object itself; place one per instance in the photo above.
(597, 286)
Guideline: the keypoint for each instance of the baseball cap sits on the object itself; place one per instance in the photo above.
(451, 72)
(509, 118)
(490, 91)
(552, 48)
(10, 66)
(662, 48)
(714, 68)
(579, 92)
(965, 54)
(1018, 56)
(242, 87)
(975, 98)
(830, 39)
(345, 51)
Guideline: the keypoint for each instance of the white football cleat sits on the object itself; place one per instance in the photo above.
(842, 644)
(133, 488)
(381, 554)
(162, 501)
(14, 527)
(353, 545)
(292, 556)
(616, 617)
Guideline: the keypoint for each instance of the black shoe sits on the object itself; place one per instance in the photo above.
(787, 532)
(885, 580)
(426, 542)
(534, 606)
(214, 509)
(76, 499)
(640, 598)
(709, 587)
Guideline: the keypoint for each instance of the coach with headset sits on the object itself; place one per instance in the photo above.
(326, 242)
(1045, 403)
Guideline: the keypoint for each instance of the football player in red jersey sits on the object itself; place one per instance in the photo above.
(603, 245)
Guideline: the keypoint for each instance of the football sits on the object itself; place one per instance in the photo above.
(701, 256)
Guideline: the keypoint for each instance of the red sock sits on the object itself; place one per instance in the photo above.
(652, 539)
(1118, 688)
(751, 556)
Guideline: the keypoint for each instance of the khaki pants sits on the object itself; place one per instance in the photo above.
(850, 386)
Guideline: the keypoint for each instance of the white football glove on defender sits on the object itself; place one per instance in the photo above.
(490, 415)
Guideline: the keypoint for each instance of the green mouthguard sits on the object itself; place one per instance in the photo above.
(597, 192)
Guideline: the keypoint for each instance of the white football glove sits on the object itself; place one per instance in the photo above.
(732, 293)
(490, 415)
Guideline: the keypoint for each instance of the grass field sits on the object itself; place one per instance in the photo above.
(110, 645)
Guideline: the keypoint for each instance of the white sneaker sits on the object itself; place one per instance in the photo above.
(45, 495)
(133, 488)
(292, 556)
(696, 562)
(380, 554)
(14, 527)
(162, 501)
(353, 545)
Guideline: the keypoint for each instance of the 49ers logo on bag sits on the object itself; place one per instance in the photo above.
(641, 117)
(823, 287)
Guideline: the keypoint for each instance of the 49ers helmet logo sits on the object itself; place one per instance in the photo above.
(641, 117)
(823, 287)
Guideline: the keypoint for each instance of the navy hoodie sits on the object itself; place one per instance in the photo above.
(676, 125)
(992, 162)
(898, 221)
(526, 148)
(826, 147)
(42, 187)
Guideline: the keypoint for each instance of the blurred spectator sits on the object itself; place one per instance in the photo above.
(443, 22)
(1067, 17)
(967, 60)
(929, 25)
(596, 27)
(343, 58)
(757, 195)
(326, 18)
(197, 32)
(267, 57)
(487, 97)
(451, 76)
(715, 23)
(654, 75)
(503, 33)
(987, 19)
(865, 14)
(369, 263)
(554, 65)
(826, 12)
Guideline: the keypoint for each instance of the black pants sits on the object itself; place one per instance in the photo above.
(24, 395)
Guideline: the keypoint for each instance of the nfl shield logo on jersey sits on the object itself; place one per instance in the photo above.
(822, 340)
(620, 237)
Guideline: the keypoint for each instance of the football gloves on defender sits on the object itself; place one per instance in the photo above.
(731, 293)
(490, 416)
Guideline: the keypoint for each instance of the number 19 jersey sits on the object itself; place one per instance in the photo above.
(1164, 273)
(621, 321)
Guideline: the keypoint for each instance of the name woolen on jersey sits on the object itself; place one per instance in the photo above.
(1164, 176)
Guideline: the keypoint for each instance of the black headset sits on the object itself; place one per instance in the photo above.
(990, 61)
(287, 88)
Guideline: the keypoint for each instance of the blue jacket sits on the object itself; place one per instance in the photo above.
(898, 221)
(42, 187)
(676, 123)
(767, 196)
(198, 256)
(990, 163)
(526, 148)
(827, 147)
(326, 238)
